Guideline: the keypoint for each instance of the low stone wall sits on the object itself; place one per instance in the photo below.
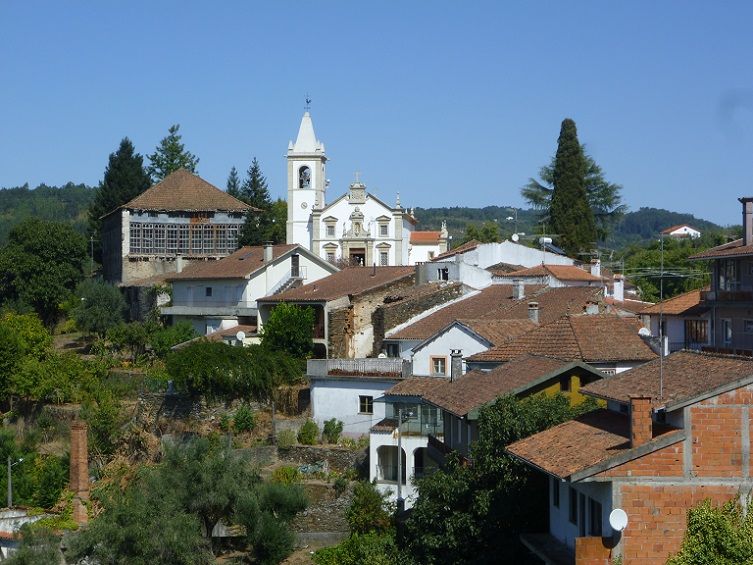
(337, 458)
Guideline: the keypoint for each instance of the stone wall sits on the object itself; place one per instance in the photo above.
(340, 326)
(337, 458)
(394, 313)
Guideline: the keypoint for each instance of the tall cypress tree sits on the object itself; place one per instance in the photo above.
(171, 155)
(124, 179)
(571, 215)
(234, 183)
(258, 226)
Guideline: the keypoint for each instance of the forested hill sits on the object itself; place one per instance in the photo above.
(67, 203)
(634, 227)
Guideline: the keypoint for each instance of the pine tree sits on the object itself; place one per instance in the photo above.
(258, 226)
(234, 183)
(124, 179)
(171, 155)
(570, 213)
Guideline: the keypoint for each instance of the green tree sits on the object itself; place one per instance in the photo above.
(722, 535)
(371, 548)
(171, 155)
(290, 328)
(124, 179)
(40, 266)
(488, 232)
(100, 307)
(37, 545)
(256, 230)
(370, 511)
(276, 233)
(234, 183)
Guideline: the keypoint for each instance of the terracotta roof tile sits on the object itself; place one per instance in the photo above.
(686, 375)
(348, 282)
(499, 331)
(416, 386)
(462, 248)
(425, 237)
(731, 249)
(183, 190)
(629, 305)
(387, 425)
(476, 388)
(496, 302)
(677, 304)
(579, 444)
(561, 272)
(595, 338)
(238, 265)
(502, 269)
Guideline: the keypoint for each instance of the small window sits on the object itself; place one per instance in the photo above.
(384, 259)
(565, 383)
(366, 404)
(748, 326)
(330, 230)
(727, 331)
(439, 366)
(573, 509)
(208, 291)
(443, 274)
(555, 493)
(383, 230)
(594, 514)
(330, 257)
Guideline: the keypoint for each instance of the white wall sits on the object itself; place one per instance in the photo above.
(488, 254)
(454, 338)
(421, 253)
(410, 444)
(339, 398)
(559, 523)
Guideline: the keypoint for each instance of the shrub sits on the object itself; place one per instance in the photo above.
(286, 475)
(309, 433)
(340, 485)
(369, 511)
(286, 439)
(371, 548)
(244, 419)
(332, 430)
(225, 423)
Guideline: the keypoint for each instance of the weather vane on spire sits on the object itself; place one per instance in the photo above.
(307, 107)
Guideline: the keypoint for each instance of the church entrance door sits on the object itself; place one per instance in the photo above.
(358, 256)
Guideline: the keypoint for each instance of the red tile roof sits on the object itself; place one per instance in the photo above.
(677, 304)
(580, 444)
(348, 282)
(476, 388)
(629, 305)
(560, 272)
(685, 374)
(589, 338)
(425, 237)
(496, 302)
(498, 331)
(241, 264)
(462, 248)
(416, 386)
(670, 229)
(731, 249)
(183, 190)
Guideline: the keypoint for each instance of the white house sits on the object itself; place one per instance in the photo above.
(554, 276)
(217, 295)
(681, 231)
(485, 255)
(682, 320)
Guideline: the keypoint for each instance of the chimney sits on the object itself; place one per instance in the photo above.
(518, 289)
(747, 202)
(618, 289)
(179, 264)
(592, 308)
(79, 480)
(268, 251)
(533, 312)
(596, 267)
(641, 424)
(456, 364)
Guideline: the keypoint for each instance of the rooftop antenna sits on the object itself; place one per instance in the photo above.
(307, 107)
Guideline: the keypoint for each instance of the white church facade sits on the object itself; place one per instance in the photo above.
(356, 228)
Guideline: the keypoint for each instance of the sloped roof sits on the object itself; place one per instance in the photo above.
(629, 305)
(732, 249)
(467, 246)
(476, 388)
(499, 330)
(677, 304)
(589, 338)
(425, 237)
(497, 302)
(685, 374)
(348, 282)
(185, 191)
(677, 227)
(415, 386)
(239, 265)
(585, 442)
(561, 272)
(502, 269)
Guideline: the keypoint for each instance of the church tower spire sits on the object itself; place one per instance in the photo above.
(306, 181)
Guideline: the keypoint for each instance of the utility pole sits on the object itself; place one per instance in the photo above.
(399, 459)
(661, 321)
(10, 486)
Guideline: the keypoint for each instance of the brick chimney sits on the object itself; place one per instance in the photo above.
(456, 364)
(641, 424)
(747, 202)
(79, 482)
(518, 289)
(533, 312)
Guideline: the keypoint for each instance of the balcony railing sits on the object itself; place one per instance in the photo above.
(439, 445)
(741, 295)
(367, 367)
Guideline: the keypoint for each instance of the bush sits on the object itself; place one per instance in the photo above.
(244, 419)
(374, 549)
(369, 511)
(309, 433)
(225, 423)
(332, 430)
(340, 485)
(286, 475)
(286, 439)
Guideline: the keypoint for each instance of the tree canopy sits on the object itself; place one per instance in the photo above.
(171, 155)
(100, 306)
(290, 328)
(234, 183)
(258, 226)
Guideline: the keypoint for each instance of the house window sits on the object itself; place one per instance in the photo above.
(696, 331)
(443, 274)
(555, 493)
(439, 366)
(594, 517)
(573, 508)
(727, 331)
(208, 291)
(383, 230)
(392, 350)
(330, 230)
(565, 383)
(366, 404)
(748, 326)
(331, 256)
(384, 259)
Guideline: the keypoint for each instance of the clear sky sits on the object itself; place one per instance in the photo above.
(449, 103)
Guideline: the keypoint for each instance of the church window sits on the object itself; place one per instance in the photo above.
(331, 256)
(304, 177)
(383, 230)
(330, 230)
(383, 259)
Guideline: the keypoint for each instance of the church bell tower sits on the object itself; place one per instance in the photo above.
(306, 182)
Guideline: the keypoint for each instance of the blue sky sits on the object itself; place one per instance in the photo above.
(449, 103)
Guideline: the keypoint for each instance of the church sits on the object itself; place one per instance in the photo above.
(357, 227)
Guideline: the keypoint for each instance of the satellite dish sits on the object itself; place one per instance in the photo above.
(618, 519)
(515, 237)
(240, 336)
(644, 332)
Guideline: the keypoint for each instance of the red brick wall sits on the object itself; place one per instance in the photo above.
(666, 462)
(591, 551)
(717, 440)
(657, 518)
(641, 425)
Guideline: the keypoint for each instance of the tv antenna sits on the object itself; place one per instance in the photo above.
(307, 107)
